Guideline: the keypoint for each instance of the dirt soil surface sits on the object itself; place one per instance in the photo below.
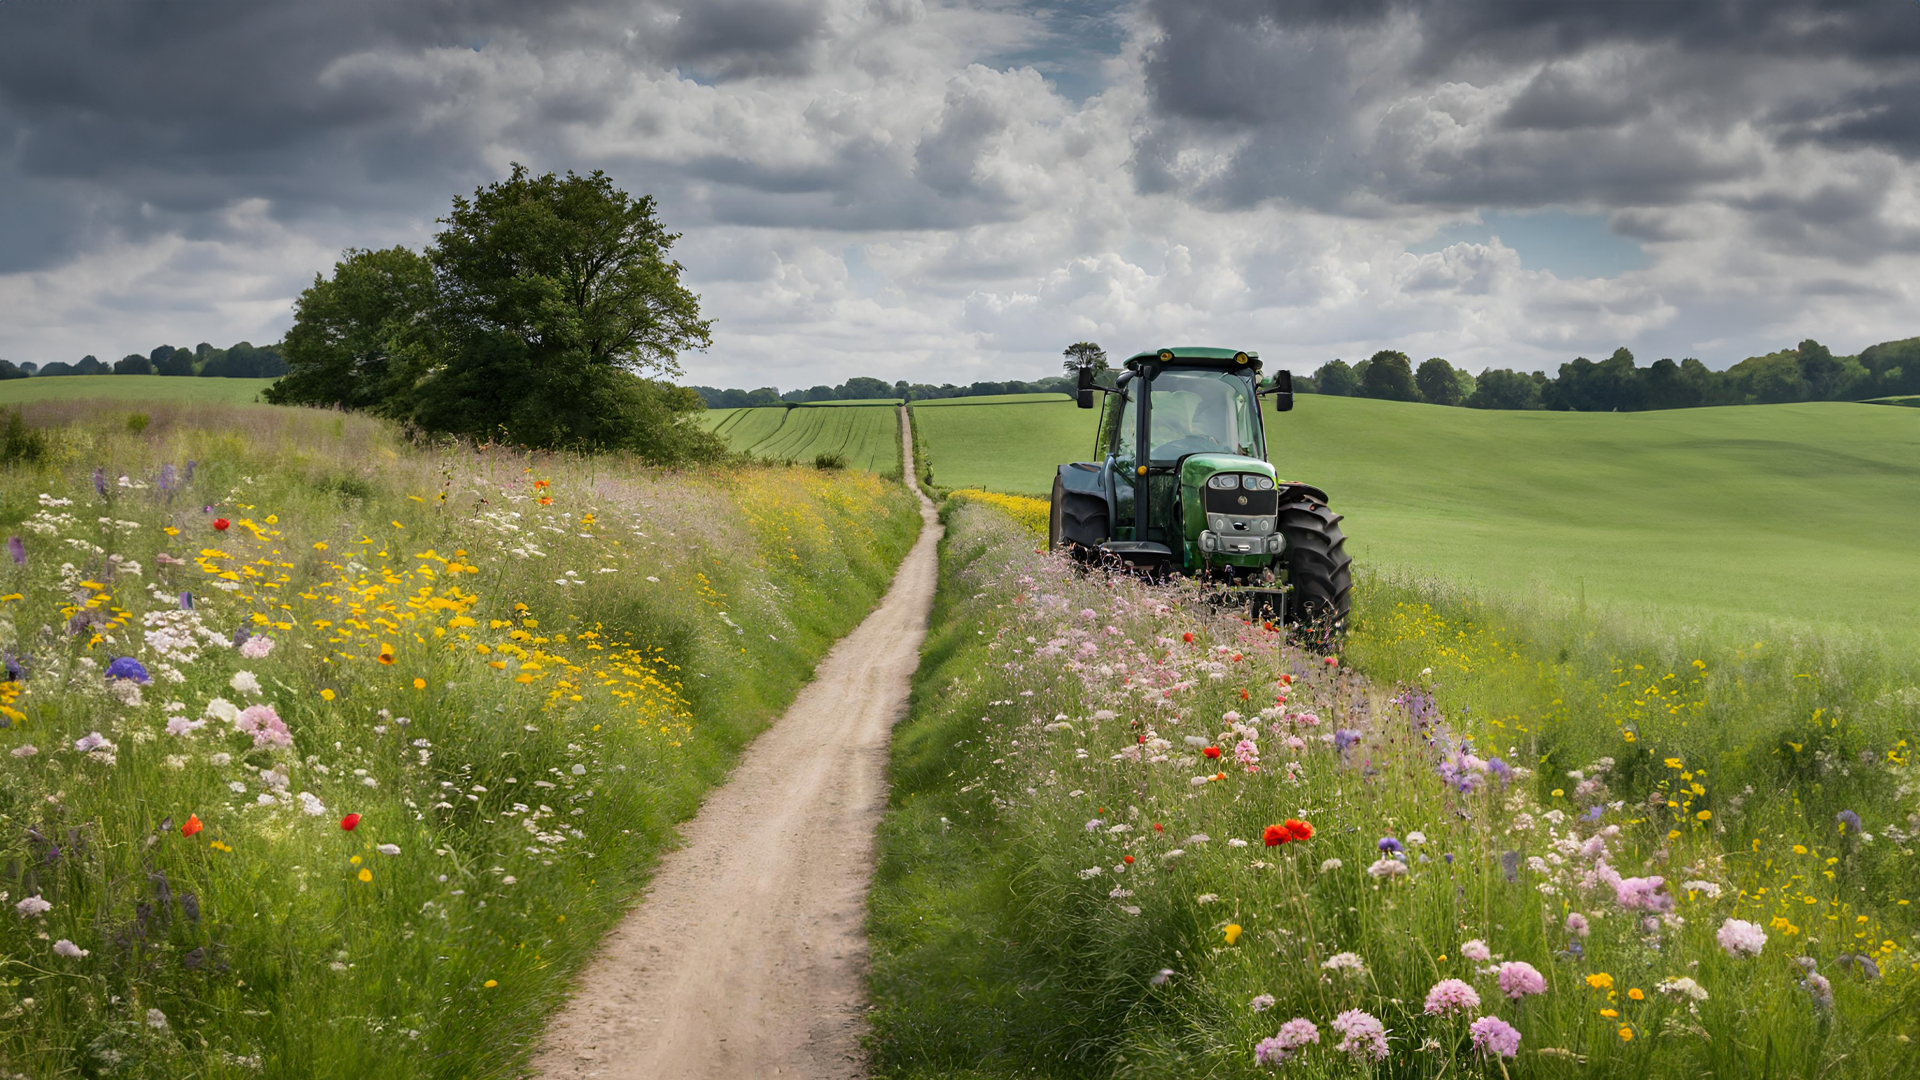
(747, 956)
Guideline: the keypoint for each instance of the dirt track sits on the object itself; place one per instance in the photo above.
(747, 956)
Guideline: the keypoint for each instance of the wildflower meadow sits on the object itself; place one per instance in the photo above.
(330, 755)
(1134, 835)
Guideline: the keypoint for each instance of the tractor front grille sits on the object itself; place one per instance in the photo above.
(1240, 502)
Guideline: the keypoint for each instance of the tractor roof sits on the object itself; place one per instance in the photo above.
(1197, 355)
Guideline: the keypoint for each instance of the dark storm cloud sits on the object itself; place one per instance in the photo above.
(1358, 107)
(140, 119)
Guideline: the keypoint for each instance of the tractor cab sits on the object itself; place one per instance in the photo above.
(1180, 481)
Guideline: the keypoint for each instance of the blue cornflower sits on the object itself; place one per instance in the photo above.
(1391, 846)
(126, 667)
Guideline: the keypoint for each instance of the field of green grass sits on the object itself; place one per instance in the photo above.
(132, 389)
(1780, 517)
(348, 751)
(867, 435)
(992, 399)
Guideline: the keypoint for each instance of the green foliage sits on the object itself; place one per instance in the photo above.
(137, 422)
(362, 338)
(1438, 383)
(1082, 354)
(830, 459)
(1389, 377)
(20, 444)
(575, 269)
(1502, 389)
(1336, 379)
(529, 320)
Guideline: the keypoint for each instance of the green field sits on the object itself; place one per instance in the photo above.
(994, 399)
(132, 389)
(869, 436)
(1805, 515)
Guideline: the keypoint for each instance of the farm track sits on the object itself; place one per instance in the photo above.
(747, 955)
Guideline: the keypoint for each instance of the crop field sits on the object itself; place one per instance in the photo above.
(1776, 517)
(328, 755)
(133, 390)
(992, 399)
(867, 435)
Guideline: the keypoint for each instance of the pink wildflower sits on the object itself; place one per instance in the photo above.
(1643, 894)
(1519, 978)
(1450, 996)
(256, 648)
(1363, 1035)
(265, 725)
(1294, 1035)
(1494, 1036)
(1577, 924)
(1741, 938)
(1476, 951)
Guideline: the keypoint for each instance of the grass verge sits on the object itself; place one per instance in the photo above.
(333, 757)
(1700, 865)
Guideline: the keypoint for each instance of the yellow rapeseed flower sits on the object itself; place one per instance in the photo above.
(326, 694)
(366, 874)
(1610, 1013)
(1233, 933)
(490, 983)
(1625, 1033)
(1600, 980)
(1705, 815)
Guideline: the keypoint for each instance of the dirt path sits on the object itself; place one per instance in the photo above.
(747, 956)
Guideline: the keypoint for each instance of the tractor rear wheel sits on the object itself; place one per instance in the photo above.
(1319, 573)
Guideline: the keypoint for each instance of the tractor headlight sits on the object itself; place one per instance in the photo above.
(1224, 481)
(1259, 483)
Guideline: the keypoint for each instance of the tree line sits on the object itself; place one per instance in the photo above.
(242, 360)
(862, 388)
(1809, 372)
(545, 313)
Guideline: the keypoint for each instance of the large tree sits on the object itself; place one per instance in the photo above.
(361, 338)
(1084, 354)
(574, 268)
(1389, 376)
(1439, 383)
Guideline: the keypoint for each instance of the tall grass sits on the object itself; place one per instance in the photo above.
(1072, 885)
(518, 672)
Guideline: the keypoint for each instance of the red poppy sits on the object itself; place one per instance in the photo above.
(1126, 858)
(220, 524)
(1143, 738)
(1157, 827)
(1300, 829)
(1275, 835)
(349, 822)
(1187, 637)
(1332, 661)
(1212, 751)
(1286, 680)
(192, 826)
(1236, 658)
(1243, 693)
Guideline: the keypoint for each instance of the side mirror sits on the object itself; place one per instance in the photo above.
(1085, 398)
(1282, 391)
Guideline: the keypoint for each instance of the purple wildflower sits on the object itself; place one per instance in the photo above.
(166, 477)
(1293, 1036)
(100, 481)
(1849, 821)
(126, 667)
(1391, 846)
(18, 550)
(188, 479)
(1593, 813)
(186, 601)
(1500, 769)
(1344, 738)
(1495, 1037)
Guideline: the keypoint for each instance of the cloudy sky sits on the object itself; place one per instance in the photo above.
(955, 191)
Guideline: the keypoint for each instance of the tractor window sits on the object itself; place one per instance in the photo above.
(1199, 412)
(1126, 419)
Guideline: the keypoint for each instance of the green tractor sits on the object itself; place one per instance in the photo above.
(1183, 486)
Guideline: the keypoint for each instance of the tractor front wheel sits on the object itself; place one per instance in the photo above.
(1319, 573)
